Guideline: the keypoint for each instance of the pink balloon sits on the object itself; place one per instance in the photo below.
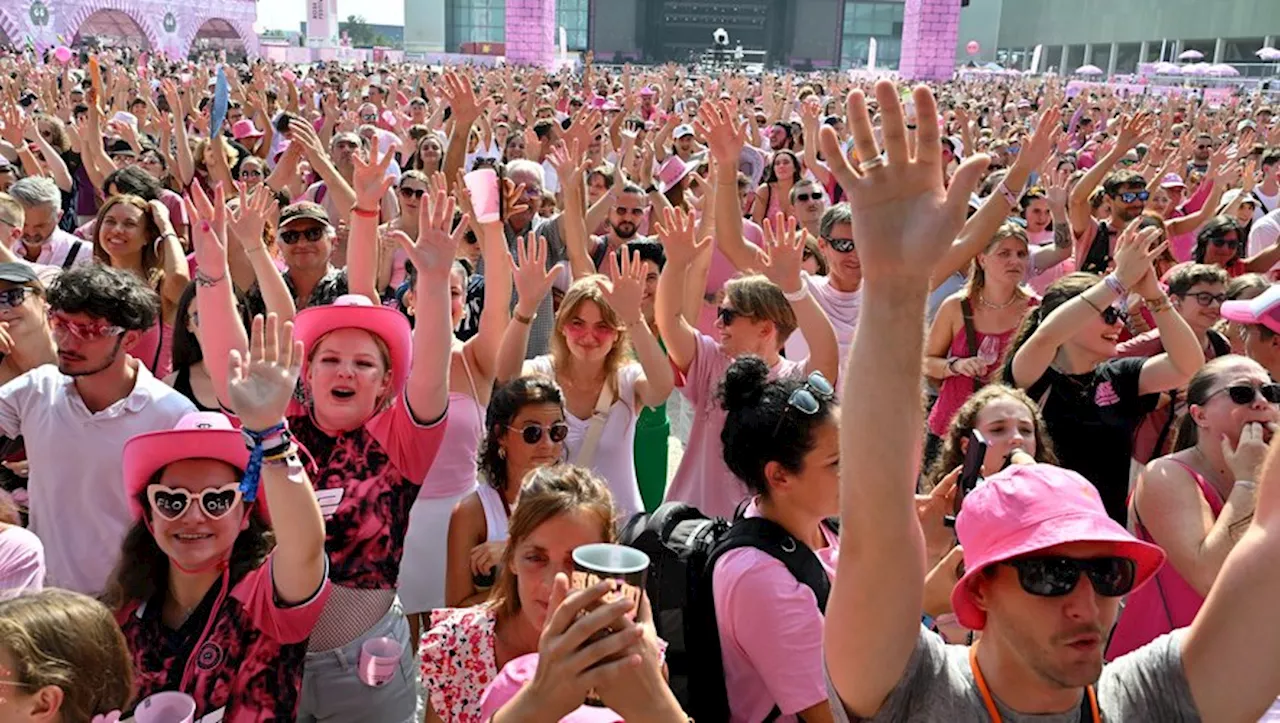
(972, 47)
(63, 54)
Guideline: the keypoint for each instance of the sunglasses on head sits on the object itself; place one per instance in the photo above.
(215, 502)
(807, 399)
(804, 197)
(290, 238)
(1131, 196)
(412, 192)
(10, 298)
(1244, 394)
(532, 433)
(1050, 576)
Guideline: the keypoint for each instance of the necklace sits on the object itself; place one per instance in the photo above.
(982, 299)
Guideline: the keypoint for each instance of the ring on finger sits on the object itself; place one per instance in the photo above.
(872, 163)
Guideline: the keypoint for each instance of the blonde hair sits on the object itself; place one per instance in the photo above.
(547, 493)
(978, 275)
(591, 288)
(11, 211)
(65, 639)
(760, 298)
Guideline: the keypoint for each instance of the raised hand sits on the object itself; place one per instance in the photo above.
(719, 126)
(371, 181)
(208, 228)
(627, 289)
(461, 96)
(1048, 131)
(437, 243)
(784, 252)
(1134, 130)
(261, 385)
(1136, 250)
(1245, 460)
(678, 233)
(900, 207)
(529, 271)
(250, 217)
(513, 197)
(1056, 193)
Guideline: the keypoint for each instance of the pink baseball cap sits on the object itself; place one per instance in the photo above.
(1172, 180)
(518, 673)
(1027, 508)
(198, 435)
(357, 312)
(1262, 309)
(647, 91)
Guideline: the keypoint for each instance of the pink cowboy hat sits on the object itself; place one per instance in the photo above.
(357, 312)
(1027, 508)
(516, 675)
(243, 129)
(198, 435)
(672, 171)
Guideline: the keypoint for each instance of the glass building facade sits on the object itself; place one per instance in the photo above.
(474, 21)
(867, 19)
(573, 16)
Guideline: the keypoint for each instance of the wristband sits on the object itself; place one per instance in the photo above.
(515, 316)
(253, 470)
(362, 213)
(798, 295)
(1247, 484)
(1004, 190)
(1158, 305)
(951, 370)
(203, 279)
(1113, 282)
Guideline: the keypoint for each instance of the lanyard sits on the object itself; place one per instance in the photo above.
(991, 703)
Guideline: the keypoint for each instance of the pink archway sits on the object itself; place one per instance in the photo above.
(169, 26)
(112, 27)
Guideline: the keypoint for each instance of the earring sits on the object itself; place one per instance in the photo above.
(502, 452)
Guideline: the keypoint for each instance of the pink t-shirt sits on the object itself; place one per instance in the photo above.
(366, 481)
(770, 632)
(703, 480)
(842, 309)
(249, 666)
(21, 561)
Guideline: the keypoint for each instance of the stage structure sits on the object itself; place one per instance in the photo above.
(170, 26)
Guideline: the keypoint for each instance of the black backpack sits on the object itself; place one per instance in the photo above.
(683, 546)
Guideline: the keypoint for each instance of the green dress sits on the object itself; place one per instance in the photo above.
(653, 430)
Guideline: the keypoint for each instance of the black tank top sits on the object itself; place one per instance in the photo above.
(182, 385)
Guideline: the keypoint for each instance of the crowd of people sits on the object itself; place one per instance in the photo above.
(981, 377)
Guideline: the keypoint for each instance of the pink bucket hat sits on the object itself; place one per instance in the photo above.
(1027, 508)
(357, 312)
(516, 675)
(1262, 309)
(243, 129)
(672, 171)
(198, 435)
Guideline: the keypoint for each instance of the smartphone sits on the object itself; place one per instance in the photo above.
(282, 123)
(970, 473)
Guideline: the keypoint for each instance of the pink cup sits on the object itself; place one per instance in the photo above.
(379, 661)
(483, 185)
(167, 707)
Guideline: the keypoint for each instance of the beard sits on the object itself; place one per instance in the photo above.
(624, 230)
(111, 359)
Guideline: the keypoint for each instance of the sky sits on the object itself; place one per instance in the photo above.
(287, 14)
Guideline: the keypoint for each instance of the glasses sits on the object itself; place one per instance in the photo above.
(61, 325)
(10, 298)
(1131, 196)
(1057, 576)
(1229, 241)
(807, 399)
(727, 315)
(369, 117)
(1207, 299)
(840, 245)
(532, 433)
(215, 502)
(250, 173)
(412, 192)
(290, 238)
(804, 197)
(1111, 315)
(1245, 394)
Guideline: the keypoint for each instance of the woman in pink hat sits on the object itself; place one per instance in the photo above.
(1196, 502)
(215, 598)
(376, 394)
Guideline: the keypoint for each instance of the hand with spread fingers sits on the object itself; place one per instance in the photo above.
(899, 205)
(261, 383)
(436, 247)
(532, 277)
(784, 252)
(371, 181)
(678, 232)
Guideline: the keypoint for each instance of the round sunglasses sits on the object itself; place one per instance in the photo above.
(1052, 576)
(172, 503)
(1243, 394)
(532, 433)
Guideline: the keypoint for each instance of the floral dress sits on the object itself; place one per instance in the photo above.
(459, 660)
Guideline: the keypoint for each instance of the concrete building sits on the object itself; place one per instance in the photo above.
(1117, 35)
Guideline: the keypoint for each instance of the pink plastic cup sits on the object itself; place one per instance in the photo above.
(483, 185)
(379, 661)
(167, 707)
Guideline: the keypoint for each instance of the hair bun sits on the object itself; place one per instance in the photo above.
(744, 383)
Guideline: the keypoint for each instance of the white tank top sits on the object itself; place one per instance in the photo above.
(495, 514)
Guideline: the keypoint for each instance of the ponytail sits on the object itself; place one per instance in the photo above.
(1059, 292)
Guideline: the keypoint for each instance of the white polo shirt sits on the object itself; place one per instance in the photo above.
(76, 487)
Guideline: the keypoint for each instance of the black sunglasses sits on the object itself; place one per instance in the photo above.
(807, 398)
(1051, 576)
(803, 197)
(412, 192)
(840, 245)
(1111, 315)
(10, 298)
(727, 315)
(1230, 241)
(290, 238)
(532, 433)
(1243, 394)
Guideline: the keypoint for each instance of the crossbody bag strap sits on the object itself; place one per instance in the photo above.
(587, 453)
(970, 335)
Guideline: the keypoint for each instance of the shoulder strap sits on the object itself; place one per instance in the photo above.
(970, 334)
(71, 255)
(1219, 343)
(587, 453)
(1099, 254)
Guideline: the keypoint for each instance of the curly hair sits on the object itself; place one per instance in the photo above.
(504, 406)
(117, 296)
(967, 416)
